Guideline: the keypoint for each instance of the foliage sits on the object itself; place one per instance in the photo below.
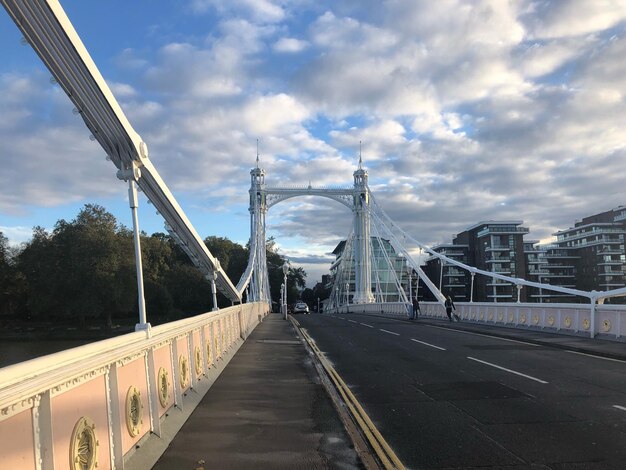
(84, 270)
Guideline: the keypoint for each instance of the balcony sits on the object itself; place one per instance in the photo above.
(596, 231)
(498, 248)
(502, 230)
(499, 259)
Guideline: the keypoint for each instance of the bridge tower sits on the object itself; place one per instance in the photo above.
(362, 251)
(259, 283)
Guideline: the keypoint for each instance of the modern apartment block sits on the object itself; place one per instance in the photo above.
(449, 278)
(495, 246)
(591, 254)
(388, 270)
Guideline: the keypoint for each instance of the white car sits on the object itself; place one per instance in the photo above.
(301, 307)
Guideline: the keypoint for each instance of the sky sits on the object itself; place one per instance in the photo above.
(467, 111)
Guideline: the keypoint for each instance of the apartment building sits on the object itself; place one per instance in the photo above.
(494, 246)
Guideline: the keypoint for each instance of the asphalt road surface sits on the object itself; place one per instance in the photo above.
(446, 398)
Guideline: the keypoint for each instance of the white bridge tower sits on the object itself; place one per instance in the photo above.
(356, 199)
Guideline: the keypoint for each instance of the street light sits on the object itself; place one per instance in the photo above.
(409, 271)
(347, 293)
(285, 271)
(318, 305)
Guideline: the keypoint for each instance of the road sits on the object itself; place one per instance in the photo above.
(445, 398)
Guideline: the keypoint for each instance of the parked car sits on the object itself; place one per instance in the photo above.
(301, 307)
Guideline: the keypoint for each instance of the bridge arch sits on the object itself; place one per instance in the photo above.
(355, 198)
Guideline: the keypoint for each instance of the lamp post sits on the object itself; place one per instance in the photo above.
(409, 271)
(347, 293)
(282, 298)
(318, 305)
(285, 271)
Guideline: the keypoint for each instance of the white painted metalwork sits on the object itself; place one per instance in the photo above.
(50, 33)
(94, 376)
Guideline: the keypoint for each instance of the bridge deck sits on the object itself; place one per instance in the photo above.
(266, 410)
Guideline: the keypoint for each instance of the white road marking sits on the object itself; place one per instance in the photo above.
(481, 334)
(508, 370)
(365, 324)
(427, 344)
(593, 355)
(390, 332)
(623, 408)
(351, 321)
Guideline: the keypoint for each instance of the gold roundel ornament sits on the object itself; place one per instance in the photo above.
(491, 317)
(551, 320)
(568, 322)
(164, 387)
(522, 318)
(481, 317)
(500, 316)
(84, 445)
(606, 325)
(536, 319)
(511, 318)
(183, 367)
(198, 360)
(586, 323)
(134, 411)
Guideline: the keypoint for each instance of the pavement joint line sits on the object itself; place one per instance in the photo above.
(594, 356)
(365, 324)
(508, 370)
(623, 408)
(386, 455)
(481, 334)
(428, 344)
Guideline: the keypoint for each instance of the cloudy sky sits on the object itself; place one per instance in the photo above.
(467, 110)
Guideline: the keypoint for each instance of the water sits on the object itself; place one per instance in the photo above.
(12, 352)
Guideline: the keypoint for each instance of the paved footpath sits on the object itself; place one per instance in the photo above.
(267, 410)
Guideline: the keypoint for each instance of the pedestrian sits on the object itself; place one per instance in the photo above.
(416, 307)
(449, 306)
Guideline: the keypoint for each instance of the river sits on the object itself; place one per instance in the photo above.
(12, 352)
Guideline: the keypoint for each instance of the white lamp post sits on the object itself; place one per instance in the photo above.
(409, 271)
(282, 298)
(285, 271)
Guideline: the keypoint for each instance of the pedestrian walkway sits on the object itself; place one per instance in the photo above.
(579, 343)
(267, 410)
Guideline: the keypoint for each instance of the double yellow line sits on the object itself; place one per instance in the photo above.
(385, 454)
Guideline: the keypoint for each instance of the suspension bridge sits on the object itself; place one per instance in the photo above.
(94, 404)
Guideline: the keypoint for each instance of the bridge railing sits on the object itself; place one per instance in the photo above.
(606, 320)
(388, 308)
(96, 402)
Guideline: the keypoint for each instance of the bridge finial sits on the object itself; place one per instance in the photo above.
(257, 153)
(360, 157)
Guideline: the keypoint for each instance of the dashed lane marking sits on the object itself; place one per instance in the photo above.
(428, 344)
(508, 370)
(365, 324)
(390, 332)
(623, 408)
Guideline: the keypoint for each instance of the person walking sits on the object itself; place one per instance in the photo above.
(416, 307)
(449, 306)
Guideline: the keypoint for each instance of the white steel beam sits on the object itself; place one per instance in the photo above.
(49, 31)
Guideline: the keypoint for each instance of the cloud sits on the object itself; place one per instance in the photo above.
(290, 45)
(466, 110)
